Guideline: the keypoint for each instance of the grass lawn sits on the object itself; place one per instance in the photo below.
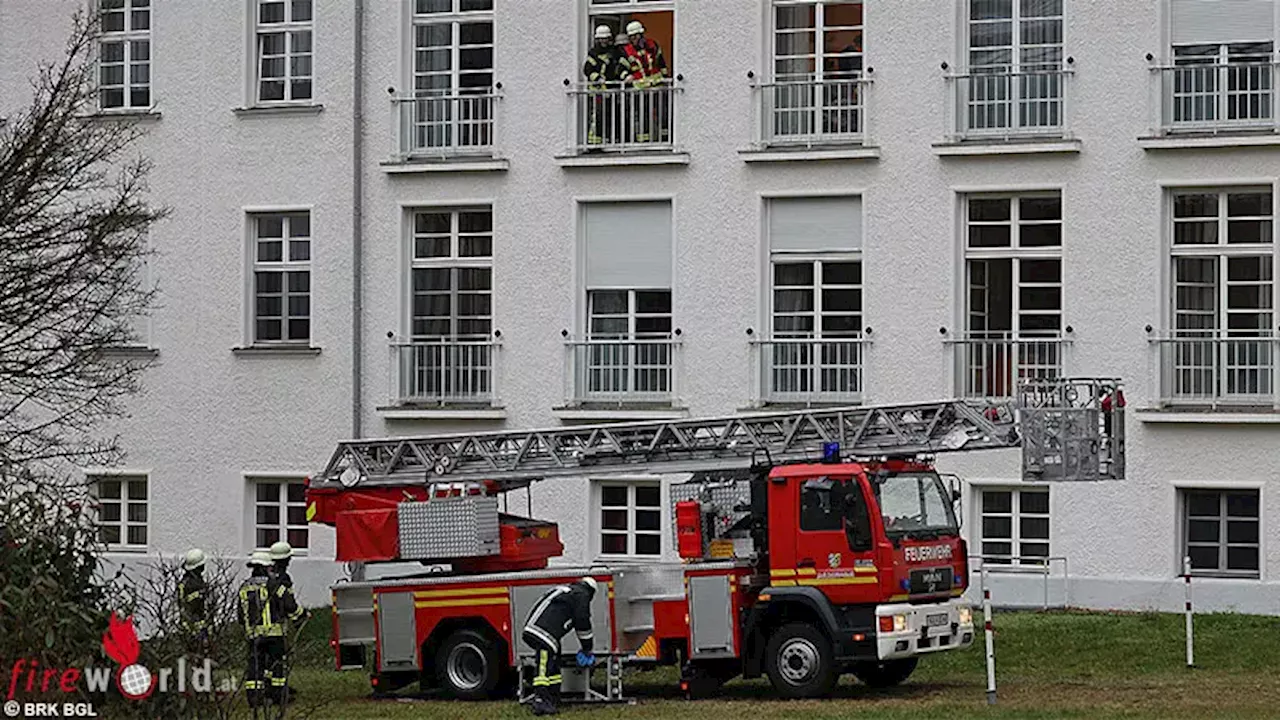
(1048, 665)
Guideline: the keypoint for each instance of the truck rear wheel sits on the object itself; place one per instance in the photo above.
(468, 665)
(799, 662)
(885, 674)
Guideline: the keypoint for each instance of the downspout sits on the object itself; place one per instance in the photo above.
(357, 223)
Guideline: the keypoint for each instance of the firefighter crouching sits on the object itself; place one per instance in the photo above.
(555, 612)
(604, 70)
(192, 608)
(265, 604)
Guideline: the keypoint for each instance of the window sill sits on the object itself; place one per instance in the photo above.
(290, 109)
(763, 406)
(1012, 146)
(129, 551)
(137, 114)
(1223, 139)
(784, 153)
(622, 412)
(1219, 576)
(275, 350)
(1228, 416)
(442, 412)
(623, 159)
(447, 164)
(131, 351)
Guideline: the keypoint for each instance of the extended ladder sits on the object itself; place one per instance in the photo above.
(516, 458)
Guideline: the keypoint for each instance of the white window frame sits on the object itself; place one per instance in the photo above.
(819, 29)
(633, 314)
(289, 28)
(94, 477)
(592, 11)
(455, 18)
(597, 521)
(284, 266)
(1015, 253)
(1015, 515)
(453, 262)
(817, 260)
(283, 527)
(127, 37)
(1183, 533)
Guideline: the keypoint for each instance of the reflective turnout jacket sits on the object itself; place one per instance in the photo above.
(265, 603)
(604, 65)
(645, 63)
(191, 600)
(562, 608)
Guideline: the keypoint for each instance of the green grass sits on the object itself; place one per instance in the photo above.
(1048, 665)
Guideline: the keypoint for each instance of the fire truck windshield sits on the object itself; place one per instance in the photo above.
(915, 505)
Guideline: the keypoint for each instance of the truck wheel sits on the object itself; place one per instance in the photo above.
(468, 666)
(885, 674)
(799, 662)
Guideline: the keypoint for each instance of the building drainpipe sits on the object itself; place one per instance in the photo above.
(357, 235)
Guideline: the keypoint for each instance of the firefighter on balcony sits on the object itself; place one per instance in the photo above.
(555, 612)
(604, 67)
(647, 73)
(191, 600)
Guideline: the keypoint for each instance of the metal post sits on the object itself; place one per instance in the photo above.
(991, 650)
(1186, 574)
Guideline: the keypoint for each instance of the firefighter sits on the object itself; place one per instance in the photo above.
(265, 604)
(562, 607)
(281, 552)
(647, 69)
(191, 600)
(603, 68)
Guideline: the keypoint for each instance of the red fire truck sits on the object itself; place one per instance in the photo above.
(811, 542)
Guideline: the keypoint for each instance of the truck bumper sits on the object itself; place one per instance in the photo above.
(920, 629)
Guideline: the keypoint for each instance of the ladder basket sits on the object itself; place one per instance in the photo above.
(1072, 428)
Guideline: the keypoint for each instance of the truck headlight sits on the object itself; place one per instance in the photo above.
(899, 623)
(966, 615)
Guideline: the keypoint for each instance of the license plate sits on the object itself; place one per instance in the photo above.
(930, 580)
(936, 620)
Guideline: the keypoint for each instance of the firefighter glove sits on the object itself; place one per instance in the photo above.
(586, 660)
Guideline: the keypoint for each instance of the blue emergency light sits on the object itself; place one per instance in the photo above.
(831, 452)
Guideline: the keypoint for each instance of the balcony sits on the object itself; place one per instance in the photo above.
(623, 374)
(826, 118)
(808, 371)
(990, 365)
(1215, 104)
(444, 375)
(1002, 111)
(623, 125)
(454, 132)
(1207, 371)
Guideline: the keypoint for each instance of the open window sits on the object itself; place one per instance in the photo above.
(658, 18)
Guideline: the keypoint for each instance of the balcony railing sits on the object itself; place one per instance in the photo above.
(1002, 104)
(991, 364)
(815, 112)
(445, 372)
(623, 118)
(808, 371)
(445, 126)
(622, 371)
(1208, 369)
(1217, 97)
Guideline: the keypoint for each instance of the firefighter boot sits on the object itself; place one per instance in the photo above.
(542, 701)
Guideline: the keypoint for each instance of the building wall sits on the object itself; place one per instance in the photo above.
(285, 413)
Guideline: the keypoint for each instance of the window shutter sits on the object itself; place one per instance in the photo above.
(628, 244)
(1222, 21)
(815, 224)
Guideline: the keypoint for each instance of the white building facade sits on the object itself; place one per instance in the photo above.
(401, 217)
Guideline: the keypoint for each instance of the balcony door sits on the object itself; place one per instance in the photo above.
(817, 64)
(452, 63)
(1015, 66)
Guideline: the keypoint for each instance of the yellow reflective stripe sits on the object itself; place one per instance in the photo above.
(311, 511)
(782, 572)
(459, 592)
(838, 581)
(462, 602)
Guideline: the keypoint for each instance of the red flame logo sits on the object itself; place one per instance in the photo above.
(120, 641)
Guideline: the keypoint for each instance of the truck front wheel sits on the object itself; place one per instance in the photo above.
(885, 674)
(799, 662)
(468, 665)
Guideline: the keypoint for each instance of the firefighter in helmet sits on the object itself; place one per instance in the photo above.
(604, 68)
(265, 604)
(562, 607)
(646, 72)
(191, 600)
(281, 552)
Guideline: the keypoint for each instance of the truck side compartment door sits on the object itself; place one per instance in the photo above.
(710, 617)
(397, 632)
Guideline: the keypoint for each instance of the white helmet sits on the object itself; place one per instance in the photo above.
(590, 582)
(281, 550)
(193, 559)
(635, 28)
(260, 558)
(603, 32)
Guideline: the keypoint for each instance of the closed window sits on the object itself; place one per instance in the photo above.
(282, 277)
(122, 510)
(1015, 57)
(124, 55)
(279, 513)
(630, 518)
(821, 505)
(1222, 63)
(284, 51)
(1220, 530)
(1015, 526)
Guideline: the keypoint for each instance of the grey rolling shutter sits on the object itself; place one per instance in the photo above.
(1222, 21)
(628, 244)
(815, 224)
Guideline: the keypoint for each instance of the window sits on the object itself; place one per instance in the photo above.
(630, 518)
(284, 50)
(1223, 302)
(124, 55)
(821, 505)
(279, 513)
(1013, 283)
(282, 277)
(122, 510)
(452, 73)
(1015, 58)
(817, 60)
(1220, 532)
(816, 298)
(1015, 526)
(1222, 62)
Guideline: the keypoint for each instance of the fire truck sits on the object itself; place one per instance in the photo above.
(811, 542)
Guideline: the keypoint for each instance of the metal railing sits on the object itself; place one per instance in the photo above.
(442, 372)
(1003, 104)
(1215, 97)
(444, 126)
(1026, 565)
(813, 112)
(622, 371)
(1209, 369)
(623, 118)
(808, 370)
(992, 364)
